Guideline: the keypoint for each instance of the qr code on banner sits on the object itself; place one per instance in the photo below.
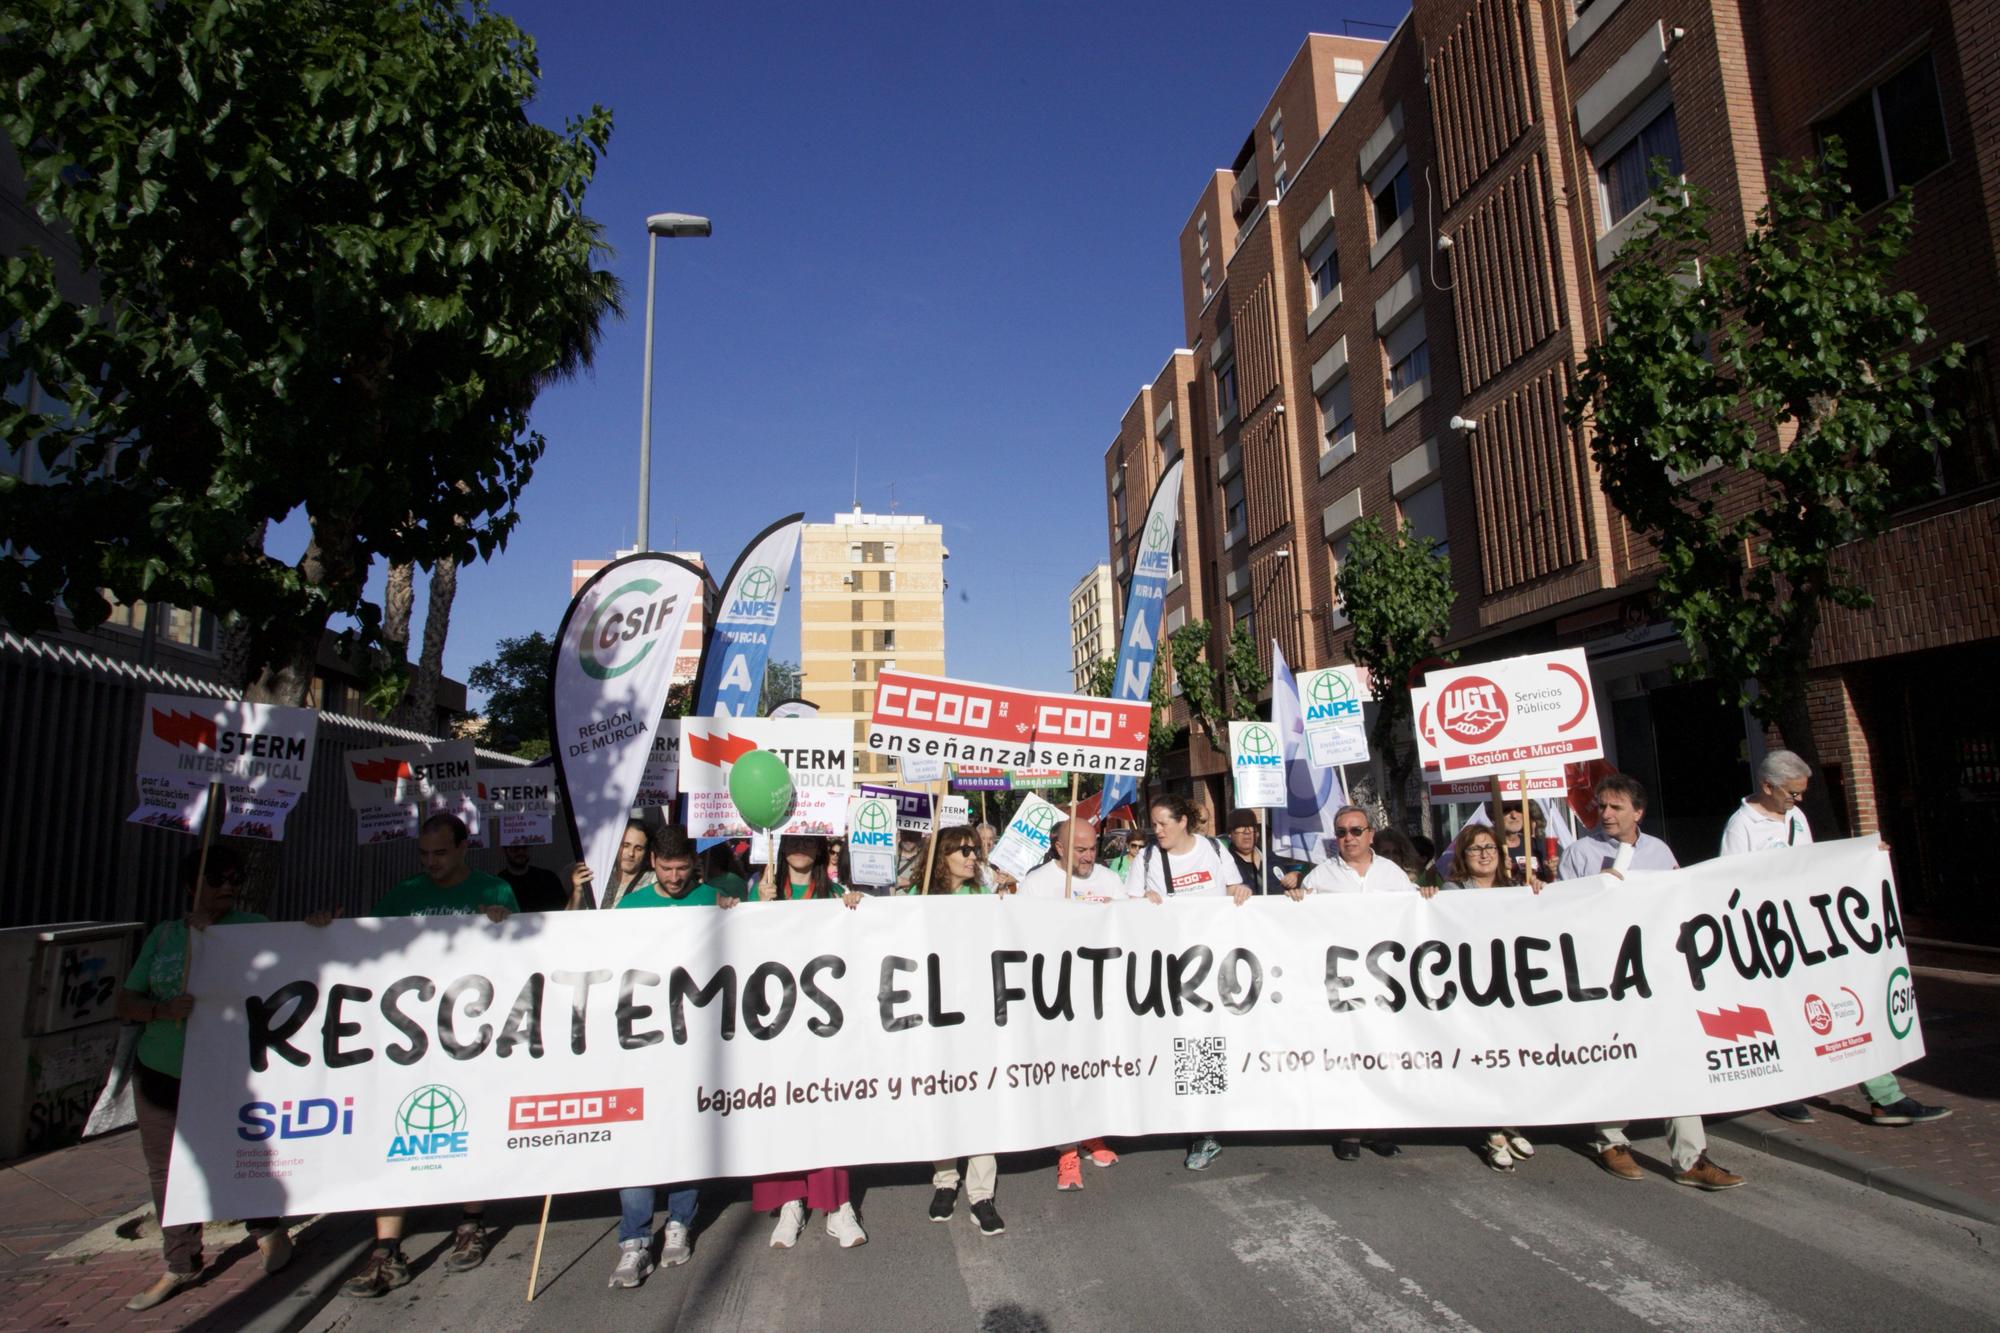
(1201, 1065)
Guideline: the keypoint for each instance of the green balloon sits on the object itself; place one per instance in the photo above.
(761, 787)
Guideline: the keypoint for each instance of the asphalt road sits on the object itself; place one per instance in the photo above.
(1277, 1234)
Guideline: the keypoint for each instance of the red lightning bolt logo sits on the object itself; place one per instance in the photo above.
(718, 750)
(1735, 1024)
(190, 730)
(380, 770)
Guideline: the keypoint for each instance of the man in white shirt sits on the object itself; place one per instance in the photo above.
(1085, 877)
(1772, 818)
(1355, 868)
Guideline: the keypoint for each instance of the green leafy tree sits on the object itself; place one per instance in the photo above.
(1791, 364)
(781, 682)
(1396, 592)
(1187, 647)
(332, 263)
(515, 681)
(1244, 674)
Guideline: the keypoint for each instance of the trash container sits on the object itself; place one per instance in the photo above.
(59, 987)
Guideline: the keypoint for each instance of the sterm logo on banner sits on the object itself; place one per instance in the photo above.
(1743, 1055)
(623, 629)
(432, 1127)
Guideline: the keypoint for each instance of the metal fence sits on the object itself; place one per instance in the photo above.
(69, 740)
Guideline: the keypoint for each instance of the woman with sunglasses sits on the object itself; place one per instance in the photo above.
(956, 870)
(800, 875)
(155, 995)
(1477, 863)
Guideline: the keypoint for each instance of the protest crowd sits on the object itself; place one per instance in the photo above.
(1169, 857)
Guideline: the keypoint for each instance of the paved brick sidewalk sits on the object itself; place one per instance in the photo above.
(67, 1261)
(1960, 1012)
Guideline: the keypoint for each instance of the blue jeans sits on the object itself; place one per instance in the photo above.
(635, 1210)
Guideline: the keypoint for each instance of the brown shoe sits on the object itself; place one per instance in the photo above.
(1706, 1175)
(163, 1287)
(468, 1247)
(1617, 1159)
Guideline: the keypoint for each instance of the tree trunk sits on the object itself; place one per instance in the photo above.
(437, 624)
(398, 597)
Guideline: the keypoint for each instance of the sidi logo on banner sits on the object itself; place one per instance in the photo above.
(624, 628)
(310, 1118)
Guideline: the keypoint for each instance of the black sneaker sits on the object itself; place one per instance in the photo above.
(1794, 1113)
(1384, 1148)
(988, 1217)
(380, 1273)
(942, 1204)
(1347, 1150)
(468, 1246)
(1908, 1111)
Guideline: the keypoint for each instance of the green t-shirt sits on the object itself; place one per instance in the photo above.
(156, 974)
(417, 896)
(798, 893)
(701, 895)
(974, 887)
(731, 885)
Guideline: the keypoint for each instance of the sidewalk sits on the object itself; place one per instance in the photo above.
(77, 1240)
(1952, 1164)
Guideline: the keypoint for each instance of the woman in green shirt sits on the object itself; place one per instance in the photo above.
(155, 994)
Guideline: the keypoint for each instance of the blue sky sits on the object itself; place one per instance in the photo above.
(944, 236)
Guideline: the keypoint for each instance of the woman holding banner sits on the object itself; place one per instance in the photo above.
(632, 872)
(955, 869)
(800, 875)
(1478, 864)
(1181, 863)
(155, 994)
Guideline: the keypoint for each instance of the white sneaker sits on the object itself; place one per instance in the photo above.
(676, 1249)
(845, 1227)
(635, 1261)
(791, 1221)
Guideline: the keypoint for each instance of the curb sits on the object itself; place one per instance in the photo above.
(305, 1301)
(1899, 1181)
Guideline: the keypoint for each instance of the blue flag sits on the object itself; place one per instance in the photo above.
(1143, 608)
(1305, 820)
(731, 683)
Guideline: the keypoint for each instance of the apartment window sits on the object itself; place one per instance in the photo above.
(1323, 268)
(854, 553)
(1235, 514)
(1392, 200)
(1407, 351)
(1336, 557)
(1625, 176)
(1972, 460)
(1225, 389)
(1336, 416)
(1423, 510)
(1894, 133)
(1279, 180)
(1241, 615)
(889, 551)
(1278, 136)
(885, 641)
(1201, 236)
(1118, 508)
(871, 553)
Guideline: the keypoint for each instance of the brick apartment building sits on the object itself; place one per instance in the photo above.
(1415, 235)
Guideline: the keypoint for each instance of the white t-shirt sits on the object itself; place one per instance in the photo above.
(1751, 829)
(1046, 881)
(1202, 871)
(1336, 876)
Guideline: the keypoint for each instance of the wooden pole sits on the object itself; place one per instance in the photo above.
(1069, 829)
(541, 1234)
(210, 817)
(930, 852)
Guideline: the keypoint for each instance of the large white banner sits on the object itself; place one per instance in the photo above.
(613, 666)
(380, 1063)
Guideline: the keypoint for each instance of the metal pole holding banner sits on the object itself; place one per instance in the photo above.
(1069, 827)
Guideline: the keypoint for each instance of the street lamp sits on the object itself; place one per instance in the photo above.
(658, 225)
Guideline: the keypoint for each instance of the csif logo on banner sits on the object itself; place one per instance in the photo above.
(874, 825)
(431, 1127)
(623, 628)
(757, 597)
(1260, 748)
(309, 1118)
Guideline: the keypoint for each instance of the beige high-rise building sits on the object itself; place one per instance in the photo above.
(1092, 636)
(871, 596)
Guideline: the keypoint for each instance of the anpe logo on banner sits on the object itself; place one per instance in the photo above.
(1156, 532)
(757, 596)
(1039, 820)
(1472, 710)
(432, 1127)
(1743, 1056)
(630, 615)
(1902, 1003)
(1331, 696)
(874, 826)
(562, 1110)
(1259, 747)
(310, 1118)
